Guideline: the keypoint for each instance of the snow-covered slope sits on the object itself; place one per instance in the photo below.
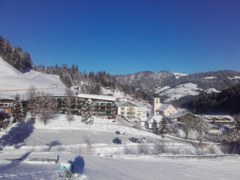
(181, 91)
(13, 81)
(178, 75)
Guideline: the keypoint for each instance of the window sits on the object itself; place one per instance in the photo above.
(128, 113)
(122, 112)
(122, 108)
(78, 107)
(1, 104)
(109, 104)
(5, 104)
(108, 112)
(102, 103)
(102, 107)
(157, 102)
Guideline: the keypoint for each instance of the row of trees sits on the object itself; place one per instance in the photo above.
(45, 105)
(15, 56)
(90, 83)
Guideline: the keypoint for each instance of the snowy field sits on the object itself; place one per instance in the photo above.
(120, 167)
(13, 81)
(91, 149)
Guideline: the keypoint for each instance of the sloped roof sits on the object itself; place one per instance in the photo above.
(179, 114)
(219, 117)
(153, 119)
(123, 102)
(142, 109)
(100, 97)
(163, 107)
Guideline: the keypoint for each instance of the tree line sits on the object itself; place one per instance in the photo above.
(15, 56)
(90, 82)
(226, 101)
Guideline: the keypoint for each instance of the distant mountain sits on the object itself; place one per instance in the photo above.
(173, 86)
(227, 101)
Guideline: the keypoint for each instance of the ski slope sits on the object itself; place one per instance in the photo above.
(13, 81)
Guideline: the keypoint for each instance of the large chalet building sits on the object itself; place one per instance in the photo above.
(103, 105)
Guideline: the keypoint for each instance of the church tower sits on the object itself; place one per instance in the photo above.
(156, 103)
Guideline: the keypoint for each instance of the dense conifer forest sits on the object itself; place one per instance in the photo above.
(228, 101)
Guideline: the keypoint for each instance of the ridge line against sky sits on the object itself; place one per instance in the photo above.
(127, 36)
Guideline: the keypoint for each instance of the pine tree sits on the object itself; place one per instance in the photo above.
(17, 109)
(87, 112)
(163, 127)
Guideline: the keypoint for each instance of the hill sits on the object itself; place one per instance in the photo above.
(227, 101)
(174, 86)
(13, 81)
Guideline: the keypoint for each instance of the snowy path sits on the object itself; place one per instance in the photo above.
(122, 168)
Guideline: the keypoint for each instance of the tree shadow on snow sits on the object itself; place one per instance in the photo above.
(78, 164)
(17, 135)
(52, 144)
(14, 163)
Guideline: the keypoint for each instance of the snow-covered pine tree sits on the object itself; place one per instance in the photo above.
(233, 134)
(163, 127)
(87, 112)
(17, 109)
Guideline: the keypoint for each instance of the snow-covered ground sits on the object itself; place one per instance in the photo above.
(181, 91)
(13, 81)
(105, 160)
(178, 75)
(120, 167)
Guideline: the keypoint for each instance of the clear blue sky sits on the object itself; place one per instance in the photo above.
(126, 36)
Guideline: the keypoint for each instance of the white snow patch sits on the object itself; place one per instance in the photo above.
(234, 77)
(210, 77)
(178, 75)
(181, 91)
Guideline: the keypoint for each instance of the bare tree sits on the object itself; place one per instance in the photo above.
(46, 106)
(202, 127)
(69, 102)
(31, 104)
(188, 123)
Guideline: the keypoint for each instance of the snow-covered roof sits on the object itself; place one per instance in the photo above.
(178, 114)
(100, 97)
(142, 109)
(155, 119)
(219, 117)
(123, 102)
(105, 91)
(163, 107)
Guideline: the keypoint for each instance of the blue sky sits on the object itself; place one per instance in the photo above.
(126, 36)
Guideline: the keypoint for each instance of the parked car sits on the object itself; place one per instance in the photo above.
(117, 140)
(117, 132)
(136, 140)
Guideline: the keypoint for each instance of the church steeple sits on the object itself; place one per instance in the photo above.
(156, 104)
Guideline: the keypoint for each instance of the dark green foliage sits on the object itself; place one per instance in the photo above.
(17, 109)
(228, 101)
(15, 56)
